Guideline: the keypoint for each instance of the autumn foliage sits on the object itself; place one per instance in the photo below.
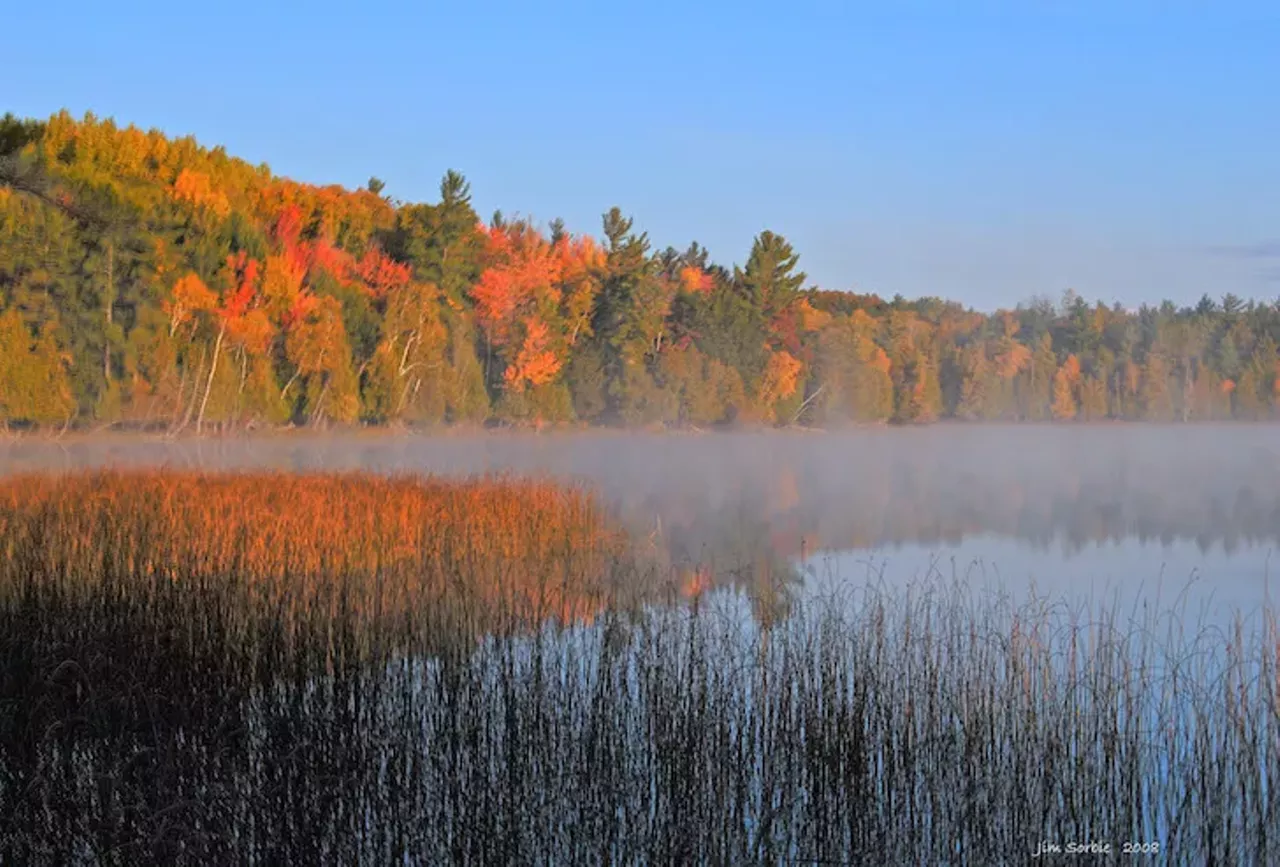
(534, 300)
(153, 282)
(1065, 383)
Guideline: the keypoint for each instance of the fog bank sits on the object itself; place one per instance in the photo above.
(1215, 484)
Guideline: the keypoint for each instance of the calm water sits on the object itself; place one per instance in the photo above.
(1209, 585)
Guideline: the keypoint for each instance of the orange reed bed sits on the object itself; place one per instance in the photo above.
(295, 548)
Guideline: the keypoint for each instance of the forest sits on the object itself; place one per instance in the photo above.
(149, 282)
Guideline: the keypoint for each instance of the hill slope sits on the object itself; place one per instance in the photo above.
(150, 281)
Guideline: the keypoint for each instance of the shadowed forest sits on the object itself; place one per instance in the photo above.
(150, 282)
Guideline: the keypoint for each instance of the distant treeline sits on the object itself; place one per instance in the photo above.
(151, 282)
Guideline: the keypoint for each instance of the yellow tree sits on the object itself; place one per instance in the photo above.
(975, 375)
(1065, 386)
(1012, 357)
(1153, 392)
(235, 321)
(1093, 398)
(780, 381)
(917, 392)
(317, 346)
(852, 372)
(407, 369)
(923, 398)
(192, 303)
(581, 264)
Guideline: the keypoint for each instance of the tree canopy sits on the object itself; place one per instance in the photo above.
(150, 281)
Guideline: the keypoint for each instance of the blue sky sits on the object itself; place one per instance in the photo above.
(983, 151)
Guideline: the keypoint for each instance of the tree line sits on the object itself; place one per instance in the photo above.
(147, 281)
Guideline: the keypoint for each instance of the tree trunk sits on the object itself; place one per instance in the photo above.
(110, 305)
(1186, 389)
(195, 390)
(177, 403)
(317, 414)
(213, 368)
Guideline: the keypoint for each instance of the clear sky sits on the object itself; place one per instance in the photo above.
(982, 151)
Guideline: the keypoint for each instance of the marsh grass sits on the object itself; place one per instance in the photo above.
(250, 669)
(140, 612)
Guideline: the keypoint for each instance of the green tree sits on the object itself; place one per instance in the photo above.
(33, 379)
(770, 282)
(629, 323)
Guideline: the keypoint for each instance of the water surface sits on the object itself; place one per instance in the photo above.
(1209, 585)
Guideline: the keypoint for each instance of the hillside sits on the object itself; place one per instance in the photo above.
(148, 281)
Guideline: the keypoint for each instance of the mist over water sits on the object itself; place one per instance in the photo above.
(1076, 511)
(1215, 483)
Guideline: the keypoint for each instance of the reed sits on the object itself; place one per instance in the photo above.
(346, 669)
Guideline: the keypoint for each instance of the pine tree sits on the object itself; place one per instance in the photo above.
(770, 281)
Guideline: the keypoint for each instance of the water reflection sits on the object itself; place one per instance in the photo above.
(1209, 584)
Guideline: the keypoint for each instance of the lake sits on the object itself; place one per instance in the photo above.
(1006, 661)
(1078, 511)
(1208, 584)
